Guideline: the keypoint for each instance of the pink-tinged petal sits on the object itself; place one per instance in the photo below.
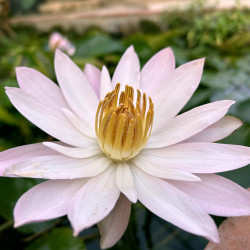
(217, 131)
(114, 225)
(59, 167)
(127, 71)
(93, 75)
(57, 40)
(40, 87)
(75, 87)
(93, 201)
(217, 195)
(188, 124)
(180, 86)
(173, 205)
(81, 125)
(49, 120)
(201, 157)
(156, 71)
(125, 181)
(14, 155)
(105, 85)
(46, 201)
(157, 168)
(75, 152)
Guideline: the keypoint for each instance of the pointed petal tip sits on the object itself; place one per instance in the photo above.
(228, 103)
(104, 68)
(224, 103)
(195, 178)
(212, 234)
(91, 67)
(240, 122)
(133, 198)
(87, 65)
(19, 69)
(198, 62)
(168, 49)
(75, 233)
(47, 143)
(18, 224)
(201, 60)
(59, 53)
(7, 89)
(104, 245)
(231, 101)
(131, 48)
(214, 238)
(10, 91)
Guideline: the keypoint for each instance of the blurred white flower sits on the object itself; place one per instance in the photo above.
(58, 41)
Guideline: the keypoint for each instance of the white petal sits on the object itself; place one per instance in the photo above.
(218, 195)
(173, 96)
(94, 201)
(75, 87)
(81, 125)
(59, 167)
(127, 71)
(202, 157)
(125, 181)
(49, 120)
(172, 205)
(40, 87)
(114, 225)
(152, 166)
(188, 124)
(105, 83)
(46, 201)
(14, 155)
(156, 70)
(75, 152)
(93, 74)
(217, 131)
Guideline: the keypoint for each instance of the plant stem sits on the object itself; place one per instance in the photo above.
(6, 225)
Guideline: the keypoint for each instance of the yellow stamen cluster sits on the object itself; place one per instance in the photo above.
(123, 128)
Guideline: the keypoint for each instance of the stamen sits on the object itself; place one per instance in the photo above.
(123, 128)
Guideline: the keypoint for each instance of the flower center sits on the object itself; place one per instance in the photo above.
(123, 128)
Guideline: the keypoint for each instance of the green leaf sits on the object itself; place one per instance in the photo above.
(8, 118)
(243, 110)
(201, 96)
(36, 227)
(27, 4)
(240, 176)
(98, 45)
(5, 144)
(238, 40)
(164, 38)
(57, 239)
(225, 79)
(237, 94)
(11, 190)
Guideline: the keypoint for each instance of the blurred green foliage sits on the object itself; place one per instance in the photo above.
(223, 37)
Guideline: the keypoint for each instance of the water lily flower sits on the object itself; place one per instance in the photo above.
(58, 41)
(122, 140)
